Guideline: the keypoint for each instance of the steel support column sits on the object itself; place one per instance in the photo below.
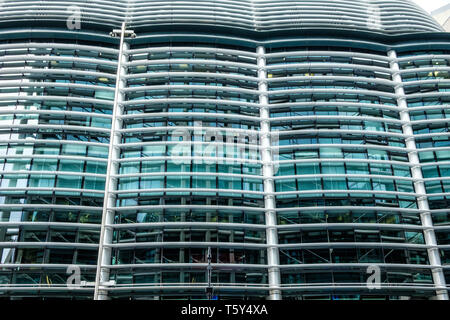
(419, 185)
(273, 256)
(106, 233)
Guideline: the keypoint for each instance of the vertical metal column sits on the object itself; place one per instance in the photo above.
(273, 255)
(106, 234)
(419, 186)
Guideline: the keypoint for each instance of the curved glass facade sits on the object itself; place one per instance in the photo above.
(56, 104)
(303, 162)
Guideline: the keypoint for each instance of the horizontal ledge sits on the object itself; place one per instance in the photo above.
(354, 81)
(24, 157)
(167, 49)
(21, 84)
(192, 61)
(336, 104)
(399, 193)
(184, 115)
(354, 266)
(422, 57)
(311, 65)
(24, 266)
(45, 224)
(345, 160)
(48, 206)
(334, 91)
(9, 97)
(38, 127)
(187, 143)
(219, 288)
(375, 226)
(190, 190)
(422, 69)
(51, 173)
(201, 266)
(426, 108)
(62, 71)
(190, 101)
(207, 190)
(429, 135)
(350, 208)
(188, 207)
(336, 118)
(236, 245)
(50, 113)
(180, 244)
(186, 225)
(356, 176)
(236, 267)
(183, 129)
(347, 146)
(342, 132)
(48, 245)
(129, 90)
(354, 245)
(72, 46)
(246, 287)
(199, 159)
(189, 174)
(26, 189)
(189, 75)
(328, 54)
(32, 141)
(48, 58)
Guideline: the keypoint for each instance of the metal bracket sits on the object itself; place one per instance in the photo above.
(117, 33)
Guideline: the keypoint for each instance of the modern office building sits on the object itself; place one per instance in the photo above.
(305, 143)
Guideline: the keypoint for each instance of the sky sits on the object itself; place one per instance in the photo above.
(430, 5)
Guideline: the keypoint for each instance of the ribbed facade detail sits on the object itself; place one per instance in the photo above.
(303, 163)
(387, 16)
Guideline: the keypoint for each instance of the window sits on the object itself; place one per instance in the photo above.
(327, 153)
